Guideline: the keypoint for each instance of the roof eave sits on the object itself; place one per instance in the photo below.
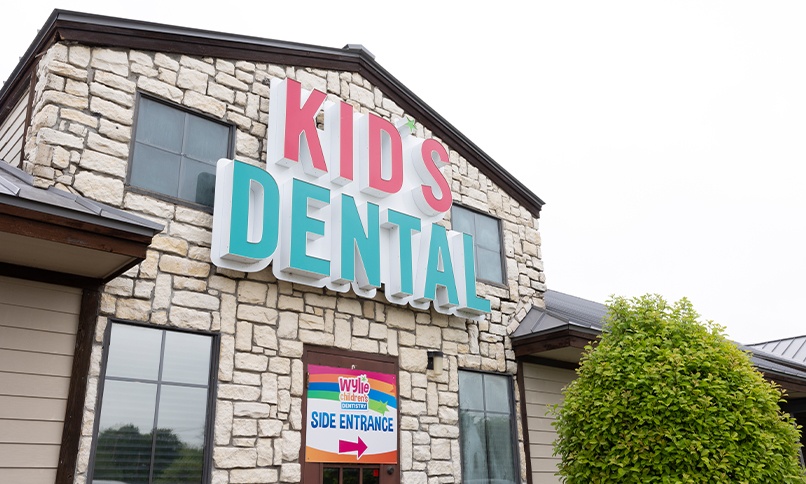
(116, 32)
(569, 335)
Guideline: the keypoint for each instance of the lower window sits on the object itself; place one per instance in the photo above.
(351, 475)
(487, 428)
(156, 408)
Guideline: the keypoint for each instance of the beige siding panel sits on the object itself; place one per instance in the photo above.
(36, 341)
(30, 455)
(14, 361)
(548, 373)
(543, 386)
(544, 466)
(16, 316)
(543, 451)
(30, 432)
(32, 408)
(11, 132)
(14, 153)
(544, 398)
(13, 119)
(538, 410)
(38, 323)
(11, 137)
(27, 475)
(543, 471)
(540, 423)
(541, 437)
(22, 385)
(17, 292)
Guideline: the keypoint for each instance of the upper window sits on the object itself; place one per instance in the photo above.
(486, 232)
(175, 151)
(487, 426)
(156, 408)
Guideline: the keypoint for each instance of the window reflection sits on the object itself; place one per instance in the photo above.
(330, 475)
(496, 393)
(134, 352)
(128, 403)
(486, 428)
(152, 428)
(473, 400)
(182, 409)
(187, 358)
(350, 475)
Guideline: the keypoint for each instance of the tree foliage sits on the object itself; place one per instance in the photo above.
(663, 398)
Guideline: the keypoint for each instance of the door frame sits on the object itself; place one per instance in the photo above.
(323, 355)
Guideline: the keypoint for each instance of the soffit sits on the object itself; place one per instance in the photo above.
(65, 233)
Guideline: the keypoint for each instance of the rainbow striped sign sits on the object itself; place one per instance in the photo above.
(351, 417)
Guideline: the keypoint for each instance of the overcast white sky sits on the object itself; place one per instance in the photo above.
(666, 137)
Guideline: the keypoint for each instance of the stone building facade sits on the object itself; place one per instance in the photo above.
(83, 100)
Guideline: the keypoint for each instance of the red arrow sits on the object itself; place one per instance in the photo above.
(345, 447)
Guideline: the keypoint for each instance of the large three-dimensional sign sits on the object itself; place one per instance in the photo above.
(352, 205)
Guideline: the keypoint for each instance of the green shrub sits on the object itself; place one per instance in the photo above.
(664, 398)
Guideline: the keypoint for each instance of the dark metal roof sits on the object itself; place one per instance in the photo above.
(565, 312)
(789, 348)
(771, 363)
(17, 189)
(115, 32)
(576, 309)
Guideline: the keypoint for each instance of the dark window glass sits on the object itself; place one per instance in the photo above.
(155, 169)
(370, 475)
(155, 408)
(175, 152)
(486, 232)
(349, 475)
(330, 475)
(203, 139)
(486, 425)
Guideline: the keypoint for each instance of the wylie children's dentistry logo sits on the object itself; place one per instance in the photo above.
(351, 416)
(354, 393)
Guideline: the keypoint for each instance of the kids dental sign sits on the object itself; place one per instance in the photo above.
(355, 205)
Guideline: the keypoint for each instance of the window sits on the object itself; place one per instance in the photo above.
(486, 232)
(175, 152)
(487, 426)
(156, 408)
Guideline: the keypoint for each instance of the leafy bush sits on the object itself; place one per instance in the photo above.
(664, 398)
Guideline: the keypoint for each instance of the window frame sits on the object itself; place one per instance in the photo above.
(513, 424)
(232, 128)
(212, 385)
(502, 252)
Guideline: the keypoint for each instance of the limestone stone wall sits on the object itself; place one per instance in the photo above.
(80, 139)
